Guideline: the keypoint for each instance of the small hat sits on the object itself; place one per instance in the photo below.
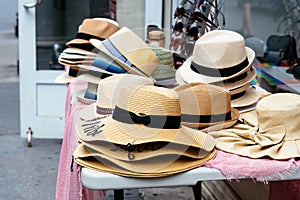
(205, 105)
(129, 50)
(108, 93)
(272, 130)
(99, 28)
(218, 55)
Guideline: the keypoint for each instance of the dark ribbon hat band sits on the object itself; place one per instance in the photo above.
(115, 52)
(222, 72)
(86, 36)
(152, 121)
(75, 72)
(206, 118)
(238, 95)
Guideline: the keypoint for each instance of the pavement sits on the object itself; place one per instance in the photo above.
(30, 172)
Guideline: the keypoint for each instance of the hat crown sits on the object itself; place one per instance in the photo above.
(219, 49)
(110, 87)
(280, 109)
(149, 100)
(203, 99)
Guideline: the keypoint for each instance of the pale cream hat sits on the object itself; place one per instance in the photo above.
(108, 93)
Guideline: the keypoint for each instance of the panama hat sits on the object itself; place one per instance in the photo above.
(144, 114)
(205, 105)
(158, 166)
(129, 50)
(218, 55)
(108, 93)
(272, 130)
(100, 28)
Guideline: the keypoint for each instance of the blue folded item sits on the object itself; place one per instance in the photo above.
(108, 67)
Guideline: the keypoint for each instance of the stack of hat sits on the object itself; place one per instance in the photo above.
(206, 106)
(143, 137)
(221, 58)
(79, 49)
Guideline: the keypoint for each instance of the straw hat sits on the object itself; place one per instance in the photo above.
(158, 166)
(108, 93)
(218, 55)
(129, 50)
(273, 129)
(205, 105)
(99, 28)
(144, 114)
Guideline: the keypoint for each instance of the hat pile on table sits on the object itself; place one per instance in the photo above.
(221, 58)
(143, 137)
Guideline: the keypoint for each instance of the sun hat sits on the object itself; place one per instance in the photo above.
(164, 73)
(244, 96)
(158, 166)
(218, 55)
(205, 105)
(144, 114)
(272, 130)
(129, 50)
(157, 38)
(108, 93)
(100, 28)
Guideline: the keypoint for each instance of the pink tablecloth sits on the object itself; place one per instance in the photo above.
(232, 166)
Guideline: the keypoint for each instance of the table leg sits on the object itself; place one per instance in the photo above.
(119, 194)
(197, 190)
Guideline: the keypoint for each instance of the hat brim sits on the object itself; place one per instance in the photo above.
(250, 97)
(79, 94)
(123, 133)
(64, 78)
(158, 166)
(188, 75)
(215, 126)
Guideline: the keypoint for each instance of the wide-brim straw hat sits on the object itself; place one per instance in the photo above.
(99, 28)
(129, 50)
(272, 130)
(158, 166)
(218, 55)
(108, 93)
(144, 114)
(206, 105)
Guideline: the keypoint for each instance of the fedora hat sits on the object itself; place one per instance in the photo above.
(217, 56)
(108, 93)
(272, 130)
(129, 50)
(158, 166)
(206, 105)
(144, 114)
(100, 28)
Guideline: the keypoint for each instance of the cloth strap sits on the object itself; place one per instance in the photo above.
(152, 121)
(222, 72)
(86, 36)
(206, 118)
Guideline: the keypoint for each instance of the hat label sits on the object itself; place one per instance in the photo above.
(219, 72)
(152, 121)
(92, 127)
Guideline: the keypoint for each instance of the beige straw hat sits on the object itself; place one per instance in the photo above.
(129, 50)
(272, 130)
(158, 166)
(108, 92)
(218, 55)
(144, 114)
(206, 105)
(99, 28)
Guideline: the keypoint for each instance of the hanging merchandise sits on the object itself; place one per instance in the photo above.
(193, 19)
